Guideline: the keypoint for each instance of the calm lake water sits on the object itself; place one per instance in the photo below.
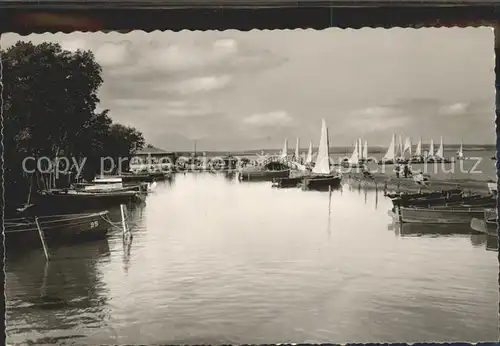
(216, 261)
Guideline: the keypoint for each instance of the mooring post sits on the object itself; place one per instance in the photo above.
(42, 239)
(124, 222)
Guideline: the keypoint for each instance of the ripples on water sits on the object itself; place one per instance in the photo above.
(216, 261)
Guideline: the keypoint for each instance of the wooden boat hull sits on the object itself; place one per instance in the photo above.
(415, 230)
(493, 187)
(65, 229)
(288, 182)
(482, 226)
(263, 175)
(438, 215)
(434, 194)
(76, 202)
(322, 183)
(453, 200)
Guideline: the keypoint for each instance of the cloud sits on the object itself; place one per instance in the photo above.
(73, 44)
(275, 118)
(459, 108)
(377, 118)
(112, 54)
(202, 84)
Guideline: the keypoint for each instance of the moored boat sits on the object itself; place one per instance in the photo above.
(57, 229)
(437, 215)
(488, 224)
(449, 200)
(493, 187)
(263, 174)
(407, 195)
(72, 200)
(321, 177)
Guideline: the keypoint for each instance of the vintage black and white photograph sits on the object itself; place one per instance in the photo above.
(269, 186)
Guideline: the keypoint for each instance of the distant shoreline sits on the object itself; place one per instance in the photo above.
(333, 150)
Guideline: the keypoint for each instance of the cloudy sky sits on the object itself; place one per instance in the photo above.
(250, 90)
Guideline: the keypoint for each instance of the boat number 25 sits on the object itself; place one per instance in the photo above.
(94, 224)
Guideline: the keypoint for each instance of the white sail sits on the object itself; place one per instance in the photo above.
(365, 150)
(391, 151)
(431, 149)
(400, 147)
(297, 150)
(360, 149)
(309, 158)
(322, 165)
(460, 152)
(418, 151)
(284, 152)
(440, 152)
(355, 154)
(407, 146)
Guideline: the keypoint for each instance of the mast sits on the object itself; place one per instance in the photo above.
(431, 148)
(360, 149)
(365, 150)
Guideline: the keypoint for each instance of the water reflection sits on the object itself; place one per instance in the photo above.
(71, 281)
(416, 230)
(492, 243)
(217, 261)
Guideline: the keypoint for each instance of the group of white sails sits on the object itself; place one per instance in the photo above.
(404, 151)
(360, 152)
(322, 163)
(296, 155)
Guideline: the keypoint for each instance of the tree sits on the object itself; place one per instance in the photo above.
(50, 99)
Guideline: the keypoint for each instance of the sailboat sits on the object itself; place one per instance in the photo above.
(297, 154)
(284, 151)
(365, 152)
(267, 171)
(360, 150)
(400, 152)
(390, 155)
(407, 147)
(438, 156)
(460, 152)
(417, 157)
(322, 177)
(309, 158)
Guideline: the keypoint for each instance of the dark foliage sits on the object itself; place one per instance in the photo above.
(50, 100)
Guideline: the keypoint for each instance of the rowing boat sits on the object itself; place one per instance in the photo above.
(72, 200)
(57, 229)
(437, 215)
(488, 224)
(450, 200)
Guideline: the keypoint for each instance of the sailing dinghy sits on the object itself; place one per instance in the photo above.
(460, 152)
(390, 155)
(322, 177)
(417, 157)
